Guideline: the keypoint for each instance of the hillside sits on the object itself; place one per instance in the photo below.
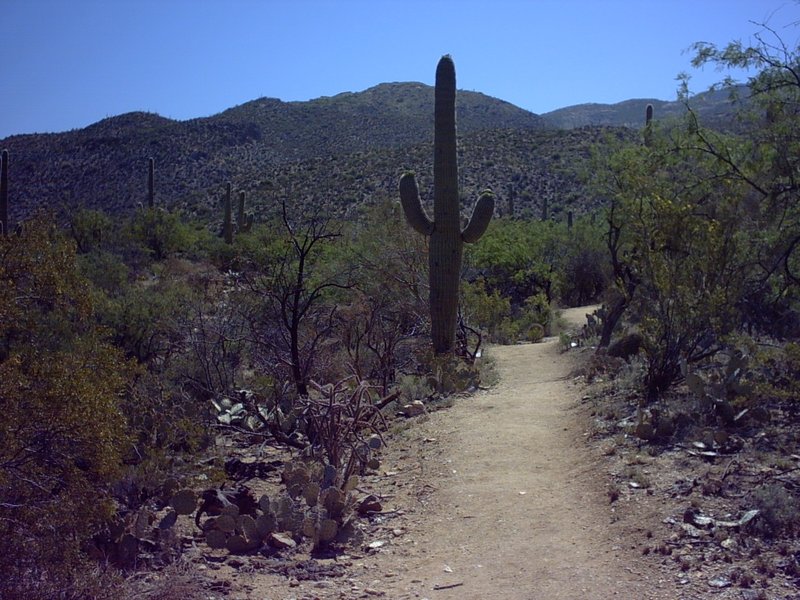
(253, 145)
(340, 152)
(714, 109)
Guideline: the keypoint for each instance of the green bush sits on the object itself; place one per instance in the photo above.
(484, 310)
(155, 234)
(62, 432)
(778, 510)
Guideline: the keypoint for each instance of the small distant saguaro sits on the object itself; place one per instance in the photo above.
(648, 125)
(151, 186)
(4, 193)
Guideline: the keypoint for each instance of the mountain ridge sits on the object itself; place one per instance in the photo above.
(342, 150)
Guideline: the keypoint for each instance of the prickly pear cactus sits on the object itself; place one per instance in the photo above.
(446, 237)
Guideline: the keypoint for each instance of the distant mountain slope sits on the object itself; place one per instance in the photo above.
(338, 152)
(104, 165)
(537, 167)
(713, 108)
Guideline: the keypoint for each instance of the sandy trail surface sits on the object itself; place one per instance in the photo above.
(523, 513)
(498, 496)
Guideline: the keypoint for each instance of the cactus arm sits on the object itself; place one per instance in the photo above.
(412, 207)
(480, 218)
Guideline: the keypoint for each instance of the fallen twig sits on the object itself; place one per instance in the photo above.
(448, 586)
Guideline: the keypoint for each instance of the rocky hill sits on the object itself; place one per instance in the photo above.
(339, 152)
(713, 108)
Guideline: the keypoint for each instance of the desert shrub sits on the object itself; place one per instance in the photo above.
(414, 387)
(485, 310)
(703, 227)
(104, 270)
(155, 234)
(774, 374)
(91, 230)
(143, 318)
(779, 513)
(62, 432)
(584, 269)
(516, 258)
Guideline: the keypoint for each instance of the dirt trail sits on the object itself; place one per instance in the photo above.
(496, 497)
(523, 513)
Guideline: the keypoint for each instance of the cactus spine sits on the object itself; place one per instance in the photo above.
(4, 193)
(446, 237)
(151, 188)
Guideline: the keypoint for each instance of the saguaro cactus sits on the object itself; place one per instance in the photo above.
(4, 193)
(151, 187)
(244, 222)
(447, 238)
(648, 125)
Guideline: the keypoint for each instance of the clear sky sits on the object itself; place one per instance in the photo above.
(69, 63)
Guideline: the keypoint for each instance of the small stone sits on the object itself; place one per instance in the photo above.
(720, 582)
(369, 505)
(414, 409)
(281, 540)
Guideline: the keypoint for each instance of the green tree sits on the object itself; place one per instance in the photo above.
(766, 161)
(703, 225)
(62, 432)
(288, 291)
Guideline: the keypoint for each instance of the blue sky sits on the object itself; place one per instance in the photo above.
(69, 63)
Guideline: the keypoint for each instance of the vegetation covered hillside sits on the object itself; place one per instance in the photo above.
(713, 107)
(104, 166)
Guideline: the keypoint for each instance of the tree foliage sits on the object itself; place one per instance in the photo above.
(704, 226)
(62, 432)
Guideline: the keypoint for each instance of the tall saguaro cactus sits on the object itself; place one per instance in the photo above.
(446, 237)
(4, 193)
